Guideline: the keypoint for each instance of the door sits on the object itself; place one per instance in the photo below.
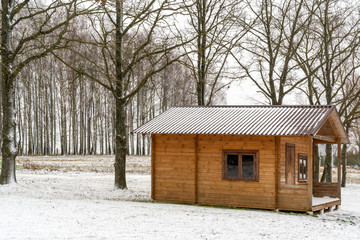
(290, 164)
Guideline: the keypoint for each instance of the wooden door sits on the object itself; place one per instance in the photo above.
(290, 164)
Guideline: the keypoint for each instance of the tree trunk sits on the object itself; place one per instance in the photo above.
(120, 152)
(8, 149)
(327, 174)
(74, 120)
(63, 127)
(30, 120)
(1, 111)
(201, 54)
(317, 164)
(8, 98)
(344, 164)
(120, 125)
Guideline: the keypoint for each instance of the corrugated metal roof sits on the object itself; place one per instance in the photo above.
(240, 120)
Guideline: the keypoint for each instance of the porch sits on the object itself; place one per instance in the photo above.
(326, 195)
(325, 204)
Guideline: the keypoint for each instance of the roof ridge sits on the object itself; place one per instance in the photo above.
(257, 106)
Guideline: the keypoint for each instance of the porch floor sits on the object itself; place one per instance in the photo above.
(321, 203)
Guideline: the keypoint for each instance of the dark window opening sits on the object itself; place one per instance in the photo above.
(232, 165)
(240, 165)
(248, 166)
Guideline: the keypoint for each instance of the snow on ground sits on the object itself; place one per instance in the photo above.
(58, 203)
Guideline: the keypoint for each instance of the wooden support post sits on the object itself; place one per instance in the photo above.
(277, 171)
(153, 166)
(310, 171)
(196, 168)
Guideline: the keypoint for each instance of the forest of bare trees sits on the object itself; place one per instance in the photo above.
(78, 76)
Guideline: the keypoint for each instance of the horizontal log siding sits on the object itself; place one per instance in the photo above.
(298, 196)
(174, 168)
(322, 189)
(213, 190)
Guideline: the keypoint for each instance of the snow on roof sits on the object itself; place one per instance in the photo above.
(240, 120)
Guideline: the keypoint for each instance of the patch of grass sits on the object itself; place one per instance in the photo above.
(351, 220)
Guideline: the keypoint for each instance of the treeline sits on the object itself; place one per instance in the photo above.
(61, 112)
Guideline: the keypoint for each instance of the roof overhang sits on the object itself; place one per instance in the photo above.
(339, 133)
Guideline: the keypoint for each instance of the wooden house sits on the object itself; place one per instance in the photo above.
(243, 156)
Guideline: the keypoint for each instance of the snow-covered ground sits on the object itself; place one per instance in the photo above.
(69, 198)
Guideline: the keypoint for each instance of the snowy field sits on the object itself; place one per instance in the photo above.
(73, 198)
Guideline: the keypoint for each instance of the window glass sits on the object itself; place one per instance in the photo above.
(240, 165)
(302, 167)
(248, 166)
(232, 165)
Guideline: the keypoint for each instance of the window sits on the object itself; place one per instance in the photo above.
(302, 167)
(240, 165)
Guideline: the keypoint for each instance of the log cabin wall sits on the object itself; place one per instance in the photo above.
(213, 190)
(298, 196)
(188, 169)
(175, 178)
(173, 168)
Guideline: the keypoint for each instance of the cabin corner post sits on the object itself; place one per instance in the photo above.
(153, 166)
(339, 167)
(277, 170)
(196, 162)
(311, 171)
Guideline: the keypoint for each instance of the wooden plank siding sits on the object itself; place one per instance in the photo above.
(322, 189)
(174, 168)
(213, 190)
(187, 168)
(298, 196)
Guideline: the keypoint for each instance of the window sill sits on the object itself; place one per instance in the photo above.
(240, 179)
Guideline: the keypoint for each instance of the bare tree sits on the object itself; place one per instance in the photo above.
(130, 22)
(213, 26)
(37, 44)
(349, 106)
(275, 34)
(326, 58)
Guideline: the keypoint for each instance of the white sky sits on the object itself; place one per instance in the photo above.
(241, 94)
(246, 93)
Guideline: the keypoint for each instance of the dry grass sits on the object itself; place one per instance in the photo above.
(353, 175)
(94, 163)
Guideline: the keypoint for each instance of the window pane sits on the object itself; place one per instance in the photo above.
(232, 165)
(302, 168)
(248, 166)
